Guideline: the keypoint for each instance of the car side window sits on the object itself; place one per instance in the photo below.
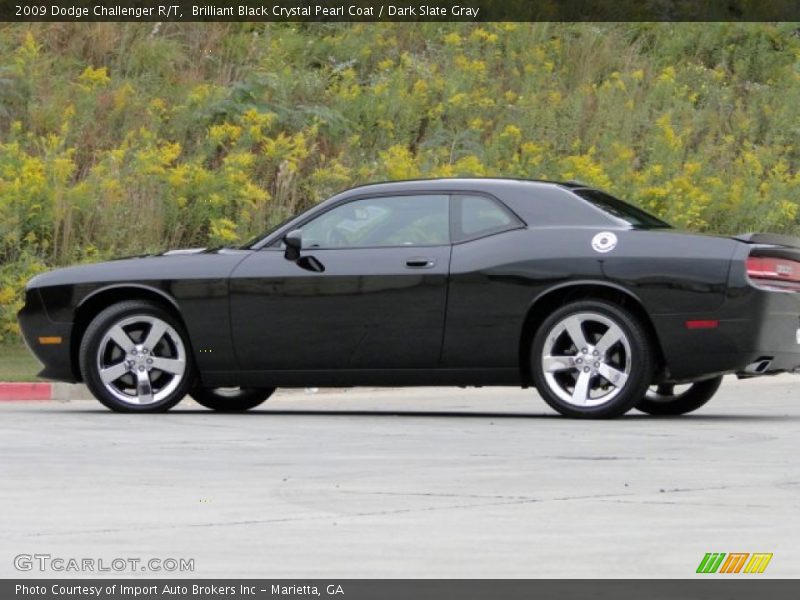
(416, 220)
(478, 216)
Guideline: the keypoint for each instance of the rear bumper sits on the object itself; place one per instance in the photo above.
(35, 324)
(756, 328)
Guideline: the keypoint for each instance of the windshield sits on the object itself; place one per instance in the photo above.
(615, 207)
(261, 236)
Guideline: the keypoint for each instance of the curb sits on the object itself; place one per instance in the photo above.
(13, 391)
(67, 392)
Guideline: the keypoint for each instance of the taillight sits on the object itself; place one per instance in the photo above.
(774, 273)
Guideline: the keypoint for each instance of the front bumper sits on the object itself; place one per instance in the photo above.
(37, 327)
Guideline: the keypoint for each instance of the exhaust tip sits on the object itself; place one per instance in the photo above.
(759, 366)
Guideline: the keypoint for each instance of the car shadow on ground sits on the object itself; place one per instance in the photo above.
(489, 415)
(427, 414)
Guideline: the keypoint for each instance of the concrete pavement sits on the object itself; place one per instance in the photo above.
(406, 483)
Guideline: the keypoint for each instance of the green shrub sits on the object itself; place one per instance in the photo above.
(124, 138)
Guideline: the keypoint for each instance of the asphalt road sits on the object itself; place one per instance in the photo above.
(407, 483)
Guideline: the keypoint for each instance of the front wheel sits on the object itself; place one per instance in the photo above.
(664, 399)
(591, 359)
(135, 357)
(230, 399)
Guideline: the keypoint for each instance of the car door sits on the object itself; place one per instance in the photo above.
(368, 292)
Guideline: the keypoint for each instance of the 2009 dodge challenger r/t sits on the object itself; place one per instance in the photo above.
(598, 305)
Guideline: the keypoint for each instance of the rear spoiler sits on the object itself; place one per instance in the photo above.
(772, 245)
(771, 239)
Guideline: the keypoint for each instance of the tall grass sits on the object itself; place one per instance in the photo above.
(123, 138)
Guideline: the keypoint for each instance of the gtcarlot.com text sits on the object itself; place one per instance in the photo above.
(61, 564)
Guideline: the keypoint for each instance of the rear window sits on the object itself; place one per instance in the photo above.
(479, 216)
(615, 207)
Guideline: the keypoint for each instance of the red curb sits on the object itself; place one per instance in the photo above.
(10, 392)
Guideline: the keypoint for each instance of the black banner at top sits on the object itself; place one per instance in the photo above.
(399, 10)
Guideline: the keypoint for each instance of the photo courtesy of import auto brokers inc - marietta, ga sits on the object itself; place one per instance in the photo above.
(597, 304)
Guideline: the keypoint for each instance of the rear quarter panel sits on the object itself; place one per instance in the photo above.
(495, 280)
(679, 277)
(671, 272)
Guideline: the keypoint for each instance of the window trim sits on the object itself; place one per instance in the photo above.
(273, 240)
(457, 235)
(635, 210)
(359, 197)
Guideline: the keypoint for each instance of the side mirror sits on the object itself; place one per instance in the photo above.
(294, 242)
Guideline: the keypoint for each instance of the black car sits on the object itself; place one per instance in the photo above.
(467, 282)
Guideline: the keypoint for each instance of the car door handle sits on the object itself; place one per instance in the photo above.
(420, 263)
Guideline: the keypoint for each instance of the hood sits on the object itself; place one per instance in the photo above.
(186, 251)
(180, 252)
(173, 264)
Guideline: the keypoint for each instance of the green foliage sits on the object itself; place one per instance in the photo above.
(17, 363)
(123, 138)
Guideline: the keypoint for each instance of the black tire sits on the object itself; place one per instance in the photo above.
(171, 350)
(629, 361)
(230, 400)
(664, 401)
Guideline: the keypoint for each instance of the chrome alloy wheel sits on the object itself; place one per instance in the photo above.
(586, 359)
(141, 360)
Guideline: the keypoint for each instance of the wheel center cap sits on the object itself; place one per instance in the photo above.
(139, 359)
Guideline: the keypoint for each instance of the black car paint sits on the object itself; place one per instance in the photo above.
(255, 318)
(359, 314)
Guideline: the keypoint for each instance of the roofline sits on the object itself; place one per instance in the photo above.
(565, 184)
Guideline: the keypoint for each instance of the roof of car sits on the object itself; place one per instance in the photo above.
(444, 183)
(553, 204)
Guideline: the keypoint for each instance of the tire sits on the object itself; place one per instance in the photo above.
(662, 400)
(230, 399)
(122, 350)
(591, 359)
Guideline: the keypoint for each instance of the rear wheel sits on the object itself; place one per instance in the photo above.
(591, 359)
(230, 399)
(669, 399)
(135, 357)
